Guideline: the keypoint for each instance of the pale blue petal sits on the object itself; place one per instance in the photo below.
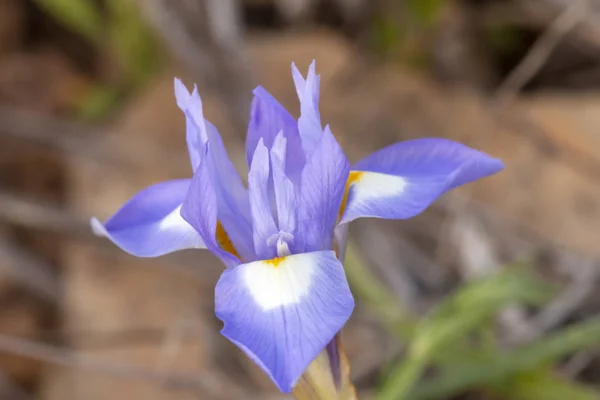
(285, 192)
(196, 135)
(182, 96)
(149, 224)
(322, 188)
(267, 119)
(283, 315)
(402, 180)
(262, 218)
(232, 197)
(309, 123)
(199, 209)
(379, 195)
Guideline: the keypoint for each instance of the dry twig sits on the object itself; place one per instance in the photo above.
(206, 382)
(29, 271)
(206, 37)
(30, 214)
(541, 50)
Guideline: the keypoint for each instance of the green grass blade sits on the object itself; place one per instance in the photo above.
(376, 296)
(82, 16)
(467, 310)
(493, 369)
(545, 385)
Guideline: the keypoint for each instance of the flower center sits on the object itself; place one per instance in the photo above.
(281, 240)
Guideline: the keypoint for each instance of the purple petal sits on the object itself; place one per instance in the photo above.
(258, 187)
(285, 196)
(199, 209)
(232, 197)
(267, 119)
(196, 135)
(182, 96)
(322, 188)
(309, 123)
(149, 225)
(402, 180)
(283, 312)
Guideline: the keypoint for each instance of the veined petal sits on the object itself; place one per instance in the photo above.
(322, 188)
(267, 119)
(402, 180)
(182, 96)
(232, 197)
(285, 195)
(309, 123)
(196, 135)
(372, 194)
(199, 209)
(258, 187)
(149, 225)
(283, 312)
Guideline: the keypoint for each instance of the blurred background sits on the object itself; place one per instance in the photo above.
(492, 293)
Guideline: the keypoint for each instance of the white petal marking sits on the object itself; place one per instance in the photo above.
(280, 282)
(173, 220)
(375, 185)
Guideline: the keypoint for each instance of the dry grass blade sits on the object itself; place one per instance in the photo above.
(30, 214)
(52, 132)
(205, 382)
(29, 271)
(541, 50)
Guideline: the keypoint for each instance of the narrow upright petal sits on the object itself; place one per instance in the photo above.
(267, 119)
(196, 135)
(182, 96)
(199, 209)
(283, 312)
(309, 123)
(149, 225)
(285, 191)
(322, 188)
(262, 218)
(402, 180)
(232, 197)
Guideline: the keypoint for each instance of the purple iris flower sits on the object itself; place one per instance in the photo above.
(283, 295)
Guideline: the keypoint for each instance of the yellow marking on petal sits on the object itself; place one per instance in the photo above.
(224, 240)
(353, 177)
(275, 261)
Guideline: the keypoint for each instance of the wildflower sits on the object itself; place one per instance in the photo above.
(283, 295)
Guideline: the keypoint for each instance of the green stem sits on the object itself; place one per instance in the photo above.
(493, 369)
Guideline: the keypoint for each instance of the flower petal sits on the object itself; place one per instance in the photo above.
(283, 312)
(182, 96)
(199, 209)
(196, 135)
(267, 119)
(285, 196)
(402, 180)
(232, 197)
(149, 225)
(322, 188)
(258, 188)
(309, 123)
